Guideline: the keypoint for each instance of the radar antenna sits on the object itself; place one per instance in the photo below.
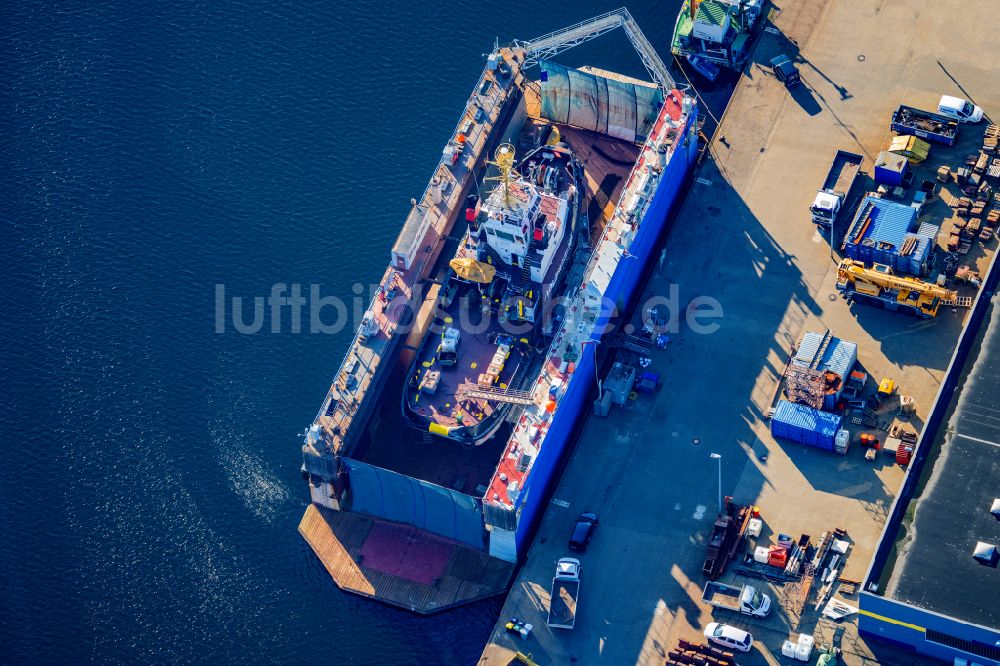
(503, 160)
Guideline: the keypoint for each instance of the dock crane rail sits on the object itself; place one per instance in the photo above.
(548, 46)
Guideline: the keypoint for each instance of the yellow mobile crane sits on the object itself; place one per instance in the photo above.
(880, 287)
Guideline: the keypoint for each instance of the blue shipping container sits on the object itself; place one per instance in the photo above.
(878, 232)
(919, 262)
(805, 425)
(890, 169)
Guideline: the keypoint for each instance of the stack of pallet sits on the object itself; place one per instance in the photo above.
(908, 442)
(982, 161)
(993, 219)
(957, 232)
(990, 138)
(962, 206)
(993, 171)
(492, 373)
(696, 654)
(909, 245)
(984, 194)
(972, 227)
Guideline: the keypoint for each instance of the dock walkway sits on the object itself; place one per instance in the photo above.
(399, 565)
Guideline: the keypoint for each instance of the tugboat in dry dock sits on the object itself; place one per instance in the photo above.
(489, 335)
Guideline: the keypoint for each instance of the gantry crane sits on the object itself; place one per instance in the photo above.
(549, 45)
(881, 287)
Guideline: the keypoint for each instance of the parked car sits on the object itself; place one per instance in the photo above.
(583, 531)
(729, 636)
(785, 71)
(959, 109)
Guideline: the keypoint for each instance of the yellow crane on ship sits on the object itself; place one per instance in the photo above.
(881, 287)
(503, 160)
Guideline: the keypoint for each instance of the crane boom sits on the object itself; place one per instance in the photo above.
(881, 285)
(882, 276)
(556, 42)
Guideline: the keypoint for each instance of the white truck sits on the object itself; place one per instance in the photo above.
(565, 592)
(830, 199)
(747, 599)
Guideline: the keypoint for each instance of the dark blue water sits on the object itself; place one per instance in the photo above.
(149, 485)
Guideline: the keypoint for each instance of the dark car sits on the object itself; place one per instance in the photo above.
(586, 523)
(785, 71)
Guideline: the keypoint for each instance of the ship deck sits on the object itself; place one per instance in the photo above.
(475, 351)
(401, 565)
(606, 162)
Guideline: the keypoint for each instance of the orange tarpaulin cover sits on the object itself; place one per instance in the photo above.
(472, 270)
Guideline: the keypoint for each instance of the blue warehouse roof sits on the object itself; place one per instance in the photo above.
(838, 357)
(890, 221)
(879, 230)
(894, 221)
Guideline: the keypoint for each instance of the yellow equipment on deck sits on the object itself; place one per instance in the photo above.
(878, 285)
(887, 386)
(555, 137)
(472, 270)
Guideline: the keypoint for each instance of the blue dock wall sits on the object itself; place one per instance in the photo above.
(543, 472)
(621, 290)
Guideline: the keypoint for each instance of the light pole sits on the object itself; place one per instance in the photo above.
(718, 458)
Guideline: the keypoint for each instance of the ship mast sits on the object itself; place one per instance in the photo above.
(503, 160)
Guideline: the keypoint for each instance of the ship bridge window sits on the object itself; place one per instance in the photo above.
(505, 236)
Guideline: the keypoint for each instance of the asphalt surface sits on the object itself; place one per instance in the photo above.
(743, 237)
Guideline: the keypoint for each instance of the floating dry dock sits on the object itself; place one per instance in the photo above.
(416, 518)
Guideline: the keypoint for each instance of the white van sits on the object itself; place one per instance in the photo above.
(959, 109)
(729, 636)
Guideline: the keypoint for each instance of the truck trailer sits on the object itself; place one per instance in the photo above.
(727, 537)
(930, 126)
(747, 599)
(564, 594)
(831, 199)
